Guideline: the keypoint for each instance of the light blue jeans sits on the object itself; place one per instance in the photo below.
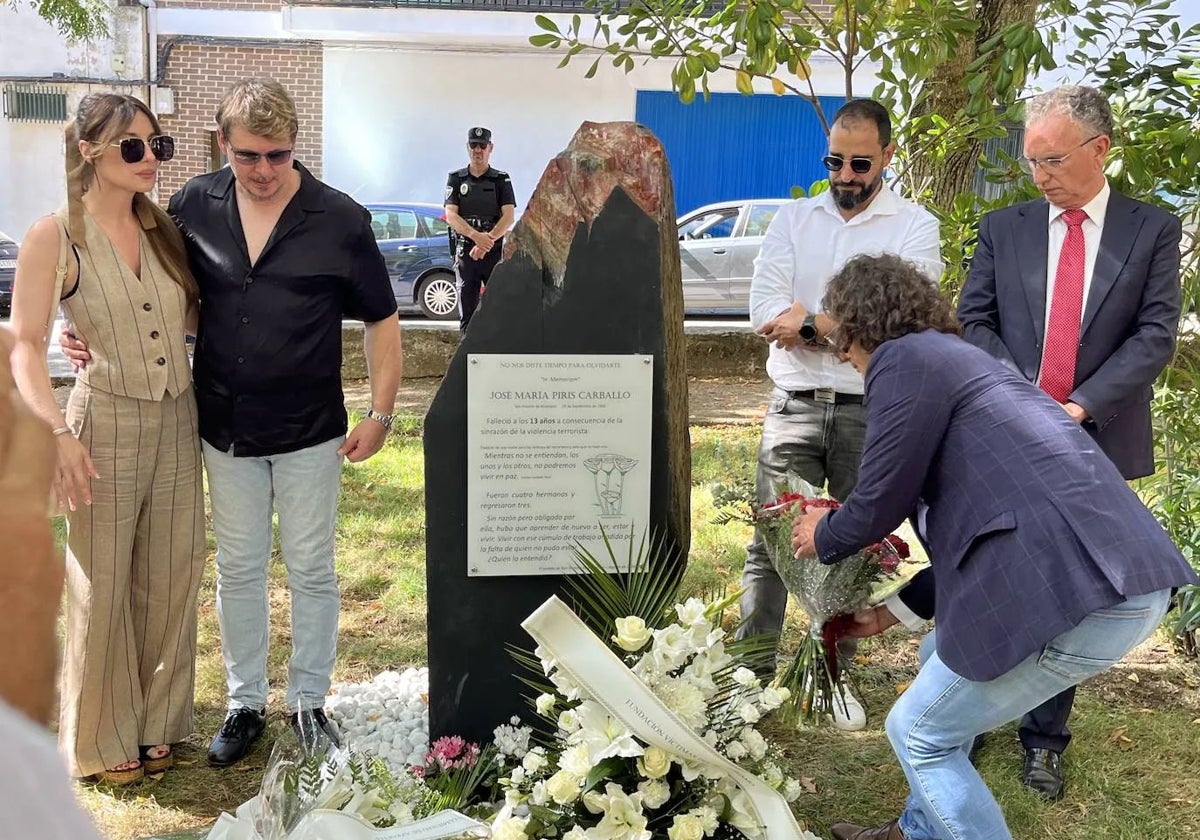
(932, 725)
(302, 487)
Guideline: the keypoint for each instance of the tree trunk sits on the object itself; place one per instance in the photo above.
(947, 94)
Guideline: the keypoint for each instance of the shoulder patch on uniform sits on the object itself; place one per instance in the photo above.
(449, 192)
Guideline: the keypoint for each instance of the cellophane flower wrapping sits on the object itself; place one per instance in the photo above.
(827, 593)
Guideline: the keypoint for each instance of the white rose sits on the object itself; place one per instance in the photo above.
(748, 713)
(563, 787)
(632, 633)
(568, 721)
(736, 750)
(510, 828)
(755, 742)
(537, 794)
(534, 760)
(655, 763)
(745, 678)
(655, 793)
(771, 699)
(545, 704)
(791, 790)
(685, 827)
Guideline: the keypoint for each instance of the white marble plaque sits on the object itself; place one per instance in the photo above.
(558, 451)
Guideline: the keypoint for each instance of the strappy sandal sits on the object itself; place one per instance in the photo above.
(152, 764)
(121, 777)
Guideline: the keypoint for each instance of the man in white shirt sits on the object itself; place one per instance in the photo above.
(815, 424)
(1079, 293)
(35, 793)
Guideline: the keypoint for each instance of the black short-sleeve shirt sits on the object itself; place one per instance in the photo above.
(268, 363)
(482, 197)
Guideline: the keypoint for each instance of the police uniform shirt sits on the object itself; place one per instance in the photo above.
(481, 197)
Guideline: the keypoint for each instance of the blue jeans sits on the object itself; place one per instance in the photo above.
(302, 487)
(820, 443)
(932, 725)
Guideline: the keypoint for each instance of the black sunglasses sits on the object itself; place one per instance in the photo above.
(476, 145)
(861, 165)
(133, 149)
(275, 157)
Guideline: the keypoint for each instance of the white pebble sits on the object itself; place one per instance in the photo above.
(386, 717)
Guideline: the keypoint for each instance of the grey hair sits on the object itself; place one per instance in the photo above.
(1085, 106)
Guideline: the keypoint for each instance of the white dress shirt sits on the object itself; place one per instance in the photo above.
(806, 244)
(1093, 227)
(36, 799)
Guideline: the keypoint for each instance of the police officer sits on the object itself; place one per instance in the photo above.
(480, 208)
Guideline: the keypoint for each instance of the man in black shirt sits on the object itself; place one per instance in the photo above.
(480, 209)
(280, 259)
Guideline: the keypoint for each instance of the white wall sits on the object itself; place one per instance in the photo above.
(396, 120)
(32, 181)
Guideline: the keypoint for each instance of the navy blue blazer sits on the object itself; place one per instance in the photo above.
(1030, 527)
(1129, 319)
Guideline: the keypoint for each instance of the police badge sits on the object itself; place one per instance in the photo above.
(462, 188)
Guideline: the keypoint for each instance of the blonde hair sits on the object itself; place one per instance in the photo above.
(99, 121)
(261, 106)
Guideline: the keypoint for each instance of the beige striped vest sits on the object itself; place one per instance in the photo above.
(134, 328)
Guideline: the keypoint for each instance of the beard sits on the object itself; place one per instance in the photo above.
(849, 199)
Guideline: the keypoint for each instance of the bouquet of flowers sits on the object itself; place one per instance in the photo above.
(593, 778)
(315, 788)
(828, 594)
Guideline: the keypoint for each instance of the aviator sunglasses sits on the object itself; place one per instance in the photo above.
(133, 149)
(275, 157)
(858, 164)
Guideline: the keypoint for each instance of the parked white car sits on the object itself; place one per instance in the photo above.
(717, 247)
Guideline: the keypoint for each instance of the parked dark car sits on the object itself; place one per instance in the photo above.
(8, 270)
(415, 243)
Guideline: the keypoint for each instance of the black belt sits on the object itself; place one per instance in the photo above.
(826, 395)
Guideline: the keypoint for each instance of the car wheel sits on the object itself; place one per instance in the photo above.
(437, 295)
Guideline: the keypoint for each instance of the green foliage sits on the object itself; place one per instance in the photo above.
(85, 20)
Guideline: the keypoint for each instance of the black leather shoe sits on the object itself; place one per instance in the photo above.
(1043, 773)
(319, 718)
(242, 727)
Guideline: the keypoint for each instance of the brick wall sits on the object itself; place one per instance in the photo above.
(199, 75)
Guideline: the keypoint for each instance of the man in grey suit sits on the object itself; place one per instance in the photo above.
(1080, 294)
(1048, 567)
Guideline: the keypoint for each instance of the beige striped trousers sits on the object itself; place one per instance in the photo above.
(134, 562)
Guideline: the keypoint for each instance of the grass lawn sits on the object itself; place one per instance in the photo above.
(1133, 770)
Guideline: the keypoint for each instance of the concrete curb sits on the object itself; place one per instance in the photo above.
(428, 349)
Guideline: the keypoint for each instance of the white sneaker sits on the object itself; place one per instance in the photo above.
(848, 716)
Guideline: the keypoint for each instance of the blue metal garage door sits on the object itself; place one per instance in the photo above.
(736, 146)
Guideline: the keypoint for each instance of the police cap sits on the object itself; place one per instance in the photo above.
(479, 134)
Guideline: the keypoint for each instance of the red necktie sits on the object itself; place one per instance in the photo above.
(1066, 312)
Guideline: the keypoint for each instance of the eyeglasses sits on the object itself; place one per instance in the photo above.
(475, 145)
(838, 340)
(859, 163)
(133, 149)
(1052, 163)
(275, 157)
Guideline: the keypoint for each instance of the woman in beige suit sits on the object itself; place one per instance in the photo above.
(128, 451)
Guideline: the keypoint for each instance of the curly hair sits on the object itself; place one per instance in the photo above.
(877, 298)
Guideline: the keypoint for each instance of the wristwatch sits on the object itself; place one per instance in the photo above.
(808, 329)
(385, 420)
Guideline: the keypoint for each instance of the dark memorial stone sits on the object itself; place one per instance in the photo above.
(591, 268)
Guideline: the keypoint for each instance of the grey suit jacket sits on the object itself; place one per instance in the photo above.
(1030, 527)
(1129, 319)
